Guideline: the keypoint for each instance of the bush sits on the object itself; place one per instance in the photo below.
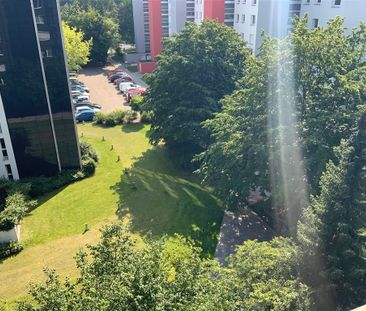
(16, 207)
(136, 103)
(146, 116)
(130, 116)
(110, 119)
(10, 249)
(87, 151)
(89, 166)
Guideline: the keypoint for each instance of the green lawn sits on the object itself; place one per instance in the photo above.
(154, 197)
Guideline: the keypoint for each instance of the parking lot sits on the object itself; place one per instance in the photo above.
(101, 91)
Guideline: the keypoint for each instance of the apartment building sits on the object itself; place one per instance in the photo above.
(220, 10)
(38, 134)
(322, 11)
(154, 20)
(255, 17)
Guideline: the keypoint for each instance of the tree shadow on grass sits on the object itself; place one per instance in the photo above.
(160, 199)
(132, 128)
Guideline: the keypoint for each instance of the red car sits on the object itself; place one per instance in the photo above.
(109, 73)
(134, 92)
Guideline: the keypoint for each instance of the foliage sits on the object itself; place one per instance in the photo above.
(111, 119)
(77, 49)
(88, 166)
(295, 97)
(333, 252)
(197, 67)
(130, 116)
(10, 249)
(169, 274)
(16, 208)
(136, 103)
(125, 18)
(87, 151)
(101, 29)
(146, 116)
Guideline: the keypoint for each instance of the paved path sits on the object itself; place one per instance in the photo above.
(238, 227)
(101, 91)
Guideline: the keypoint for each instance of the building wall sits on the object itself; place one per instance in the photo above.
(177, 15)
(155, 26)
(48, 22)
(199, 11)
(353, 11)
(138, 22)
(214, 9)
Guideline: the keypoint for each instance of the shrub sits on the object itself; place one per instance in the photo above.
(136, 103)
(16, 207)
(87, 151)
(130, 116)
(89, 166)
(146, 116)
(10, 249)
(110, 119)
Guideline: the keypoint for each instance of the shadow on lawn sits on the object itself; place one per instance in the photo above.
(132, 128)
(159, 199)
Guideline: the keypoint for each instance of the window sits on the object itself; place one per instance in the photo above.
(252, 20)
(8, 171)
(337, 2)
(39, 20)
(315, 22)
(237, 18)
(318, 1)
(251, 39)
(37, 4)
(238, 1)
(2, 68)
(47, 53)
(243, 18)
(242, 36)
(254, 2)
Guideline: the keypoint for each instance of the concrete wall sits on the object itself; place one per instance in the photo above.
(353, 11)
(177, 15)
(138, 21)
(199, 11)
(11, 235)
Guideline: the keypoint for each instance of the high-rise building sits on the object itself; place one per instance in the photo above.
(154, 20)
(219, 10)
(320, 12)
(38, 134)
(273, 17)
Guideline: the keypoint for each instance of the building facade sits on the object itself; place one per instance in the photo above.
(321, 12)
(219, 10)
(38, 133)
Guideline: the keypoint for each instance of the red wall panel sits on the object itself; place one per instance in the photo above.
(214, 9)
(156, 32)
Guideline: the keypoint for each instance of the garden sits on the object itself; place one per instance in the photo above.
(133, 182)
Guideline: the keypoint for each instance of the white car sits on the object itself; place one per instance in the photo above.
(124, 86)
(81, 108)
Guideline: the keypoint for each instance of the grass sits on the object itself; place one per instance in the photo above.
(155, 197)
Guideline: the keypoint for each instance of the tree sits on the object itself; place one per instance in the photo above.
(169, 274)
(102, 30)
(197, 67)
(290, 102)
(333, 250)
(77, 49)
(125, 18)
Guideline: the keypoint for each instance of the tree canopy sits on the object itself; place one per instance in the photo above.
(169, 274)
(197, 67)
(77, 49)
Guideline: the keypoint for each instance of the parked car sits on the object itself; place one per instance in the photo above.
(75, 81)
(109, 73)
(86, 107)
(88, 104)
(75, 90)
(82, 99)
(116, 76)
(85, 115)
(126, 84)
(122, 79)
(137, 87)
(80, 88)
(135, 92)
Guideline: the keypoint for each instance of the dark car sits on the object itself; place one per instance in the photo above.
(116, 76)
(85, 115)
